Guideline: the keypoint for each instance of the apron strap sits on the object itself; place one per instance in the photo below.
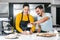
(27, 16)
(22, 16)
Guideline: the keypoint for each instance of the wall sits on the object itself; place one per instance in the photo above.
(56, 2)
(25, 1)
(53, 11)
(53, 8)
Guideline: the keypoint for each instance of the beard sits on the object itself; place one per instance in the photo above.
(40, 14)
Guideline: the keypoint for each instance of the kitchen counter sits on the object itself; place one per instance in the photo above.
(32, 37)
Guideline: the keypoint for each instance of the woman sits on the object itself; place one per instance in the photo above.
(22, 19)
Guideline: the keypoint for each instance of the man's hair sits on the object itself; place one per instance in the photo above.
(25, 4)
(40, 7)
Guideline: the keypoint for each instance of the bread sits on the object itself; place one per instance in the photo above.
(46, 34)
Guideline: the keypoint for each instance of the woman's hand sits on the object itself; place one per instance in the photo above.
(27, 32)
(31, 32)
(24, 33)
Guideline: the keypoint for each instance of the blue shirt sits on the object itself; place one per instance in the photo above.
(47, 25)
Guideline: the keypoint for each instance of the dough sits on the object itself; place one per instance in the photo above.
(11, 36)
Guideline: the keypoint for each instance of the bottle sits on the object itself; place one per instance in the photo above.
(15, 32)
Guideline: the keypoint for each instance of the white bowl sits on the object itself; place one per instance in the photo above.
(29, 25)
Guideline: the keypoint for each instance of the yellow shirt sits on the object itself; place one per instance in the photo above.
(25, 18)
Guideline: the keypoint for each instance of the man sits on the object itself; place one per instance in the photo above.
(44, 19)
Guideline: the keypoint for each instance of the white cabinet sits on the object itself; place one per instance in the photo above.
(4, 10)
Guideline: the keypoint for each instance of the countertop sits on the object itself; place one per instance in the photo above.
(31, 37)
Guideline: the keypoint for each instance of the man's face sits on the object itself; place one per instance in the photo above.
(38, 11)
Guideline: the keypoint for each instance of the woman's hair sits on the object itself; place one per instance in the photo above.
(25, 4)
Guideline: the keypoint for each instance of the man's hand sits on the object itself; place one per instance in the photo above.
(37, 22)
(34, 23)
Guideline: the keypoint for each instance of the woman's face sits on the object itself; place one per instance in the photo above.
(26, 9)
